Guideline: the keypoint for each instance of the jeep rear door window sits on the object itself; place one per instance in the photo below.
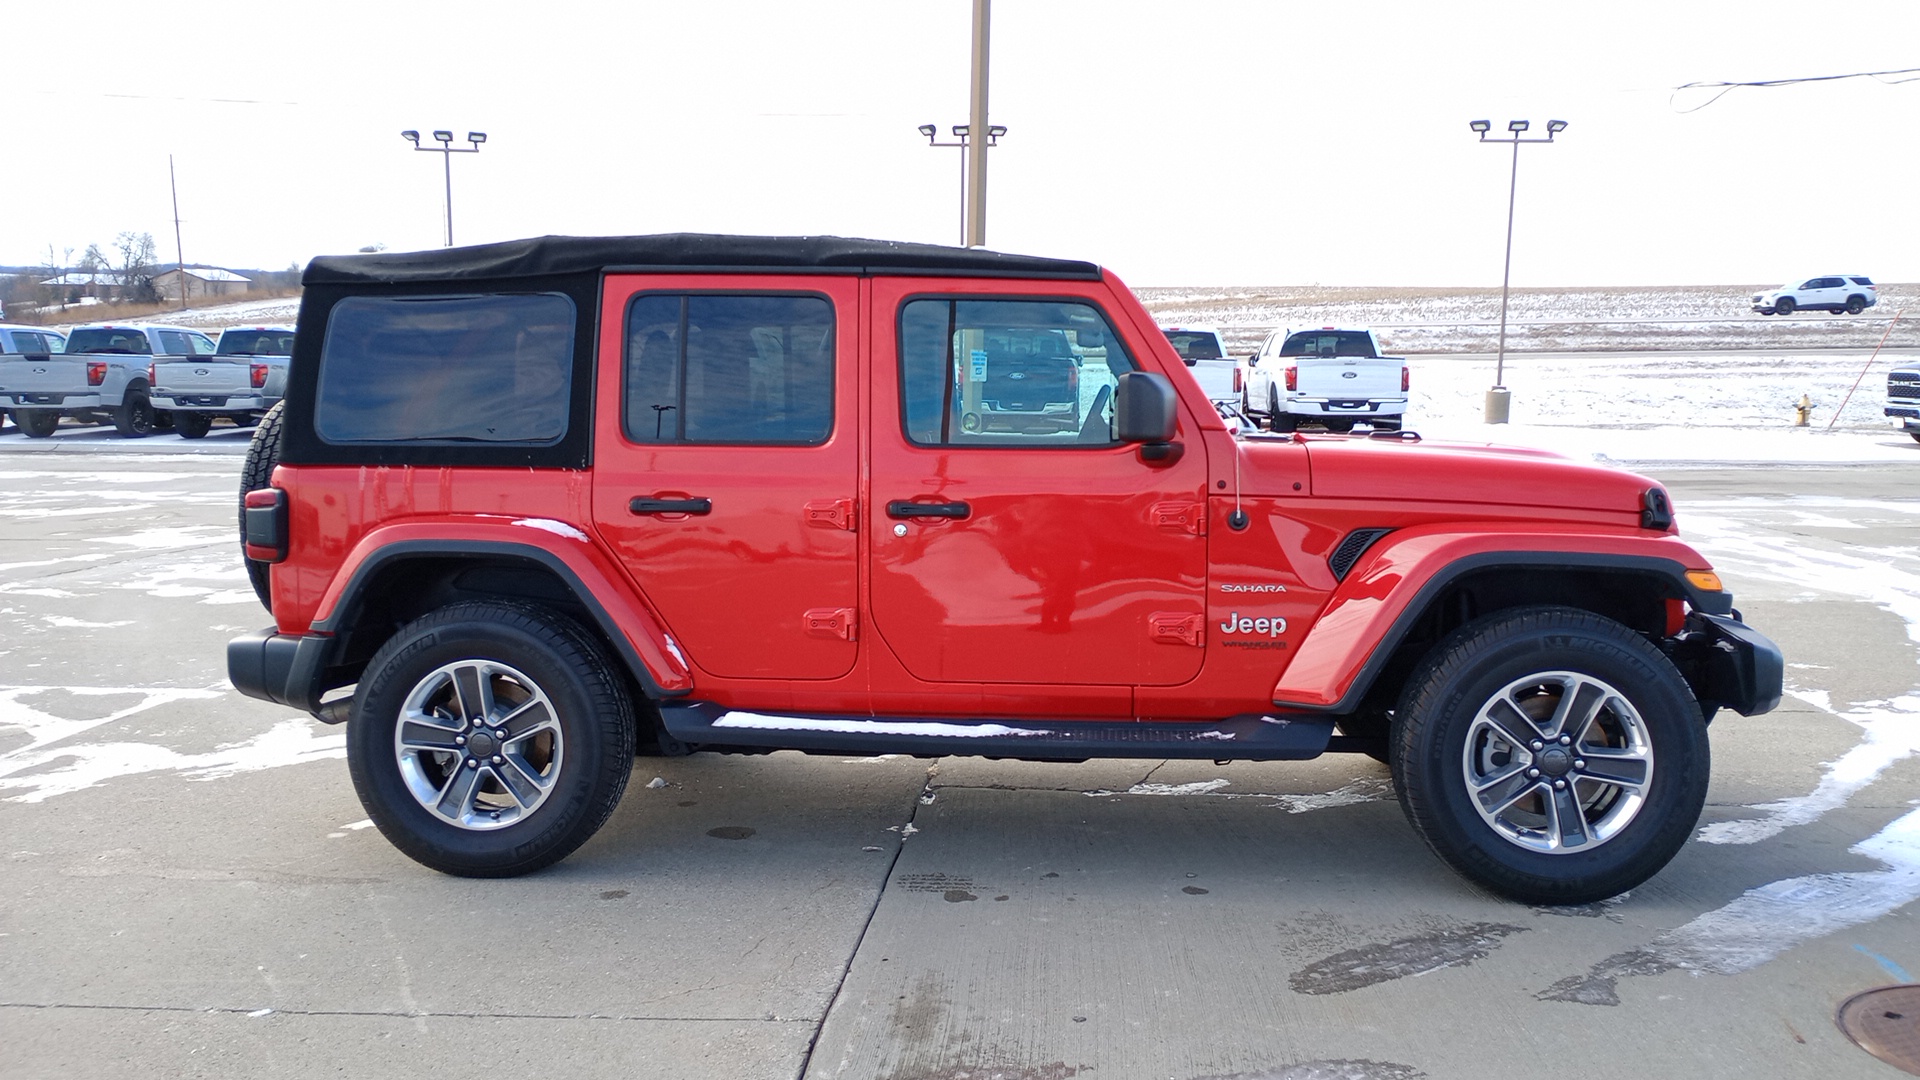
(1008, 373)
(446, 369)
(729, 369)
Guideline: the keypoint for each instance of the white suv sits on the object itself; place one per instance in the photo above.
(1850, 293)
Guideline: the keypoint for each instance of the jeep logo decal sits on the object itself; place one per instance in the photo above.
(1235, 624)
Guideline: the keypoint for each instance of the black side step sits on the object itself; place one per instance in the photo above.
(1249, 737)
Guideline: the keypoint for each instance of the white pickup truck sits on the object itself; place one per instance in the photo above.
(1903, 398)
(104, 370)
(28, 342)
(243, 378)
(1331, 376)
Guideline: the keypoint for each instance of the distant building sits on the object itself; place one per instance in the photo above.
(73, 287)
(199, 282)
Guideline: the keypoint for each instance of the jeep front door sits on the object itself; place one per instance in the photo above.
(726, 458)
(1012, 539)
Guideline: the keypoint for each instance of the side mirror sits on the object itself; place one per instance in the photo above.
(1143, 409)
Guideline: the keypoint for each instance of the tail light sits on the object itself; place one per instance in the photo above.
(265, 518)
(1239, 380)
(258, 373)
(1293, 378)
(97, 372)
(1406, 379)
(1073, 381)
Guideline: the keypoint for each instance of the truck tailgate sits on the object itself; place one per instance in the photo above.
(38, 374)
(202, 375)
(1347, 377)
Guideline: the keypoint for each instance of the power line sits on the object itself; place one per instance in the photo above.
(1728, 87)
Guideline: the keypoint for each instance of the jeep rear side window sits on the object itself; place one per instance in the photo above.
(489, 369)
(729, 369)
(1008, 373)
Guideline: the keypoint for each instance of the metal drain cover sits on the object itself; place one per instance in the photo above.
(1885, 1023)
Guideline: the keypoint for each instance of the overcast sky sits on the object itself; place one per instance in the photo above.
(1196, 142)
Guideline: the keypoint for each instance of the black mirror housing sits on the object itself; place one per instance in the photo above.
(1143, 408)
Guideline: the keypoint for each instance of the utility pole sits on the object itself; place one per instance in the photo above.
(179, 256)
(976, 149)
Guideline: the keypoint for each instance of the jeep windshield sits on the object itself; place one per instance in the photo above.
(1328, 343)
(108, 340)
(256, 343)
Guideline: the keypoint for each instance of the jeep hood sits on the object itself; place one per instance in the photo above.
(1392, 470)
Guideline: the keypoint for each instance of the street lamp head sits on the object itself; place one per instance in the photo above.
(411, 136)
(994, 131)
(1555, 127)
(1516, 126)
(928, 130)
(443, 136)
(1481, 126)
(476, 137)
(961, 130)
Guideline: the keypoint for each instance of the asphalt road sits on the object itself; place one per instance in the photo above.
(188, 886)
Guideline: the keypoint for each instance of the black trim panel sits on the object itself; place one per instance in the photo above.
(1239, 738)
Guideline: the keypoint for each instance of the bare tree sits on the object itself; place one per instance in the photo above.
(136, 266)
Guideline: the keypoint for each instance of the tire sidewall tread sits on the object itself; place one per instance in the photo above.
(595, 716)
(1447, 690)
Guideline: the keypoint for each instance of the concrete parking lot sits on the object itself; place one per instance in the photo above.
(191, 888)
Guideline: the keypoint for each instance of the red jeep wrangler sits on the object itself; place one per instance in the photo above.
(531, 505)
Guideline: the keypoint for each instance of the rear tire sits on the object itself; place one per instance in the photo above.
(134, 417)
(192, 425)
(490, 739)
(1551, 755)
(37, 423)
(263, 453)
(1783, 306)
(1855, 305)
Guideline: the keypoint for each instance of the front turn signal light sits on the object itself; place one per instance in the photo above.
(1705, 581)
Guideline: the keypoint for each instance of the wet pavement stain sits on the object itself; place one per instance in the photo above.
(932, 882)
(1601, 984)
(614, 894)
(1369, 965)
(1331, 1070)
(730, 832)
(958, 896)
(1058, 1070)
(1194, 890)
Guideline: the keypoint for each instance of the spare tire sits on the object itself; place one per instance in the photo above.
(263, 453)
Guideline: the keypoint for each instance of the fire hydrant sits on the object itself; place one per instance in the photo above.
(1801, 410)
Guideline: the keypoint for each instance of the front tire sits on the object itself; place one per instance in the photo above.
(490, 739)
(1551, 755)
(1783, 306)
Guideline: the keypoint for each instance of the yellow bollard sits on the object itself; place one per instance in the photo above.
(1801, 410)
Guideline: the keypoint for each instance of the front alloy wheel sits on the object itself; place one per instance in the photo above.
(1558, 761)
(1550, 754)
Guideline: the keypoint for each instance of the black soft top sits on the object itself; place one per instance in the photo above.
(545, 256)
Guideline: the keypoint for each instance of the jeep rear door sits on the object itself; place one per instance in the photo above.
(1008, 546)
(726, 458)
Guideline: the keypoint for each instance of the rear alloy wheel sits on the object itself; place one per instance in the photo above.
(134, 416)
(1783, 306)
(490, 739)
(1856, 305)
(1551, 755)
(192, 425)
(37, 423)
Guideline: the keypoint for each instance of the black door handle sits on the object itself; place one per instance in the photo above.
(904, 508)
(671, 506)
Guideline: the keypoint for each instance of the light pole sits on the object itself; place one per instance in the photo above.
(446, 150)
(1499, 399)
(961, 134)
